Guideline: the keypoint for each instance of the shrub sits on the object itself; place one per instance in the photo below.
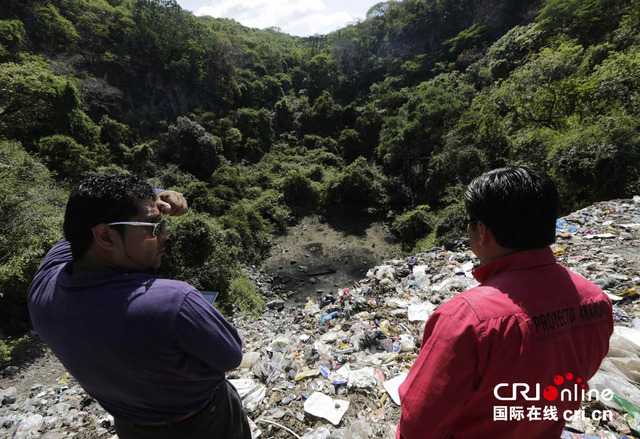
(228, 183)
(18, 350)
(271, 206)
(245, 295)
(412, 225)
(299, 192)
(40, 103)
(192, 148)
(597, 161)
(66, 158)
(201, 199)
(169, 175)
(351, 146)
(312, 141)
(247, 231)
(54, 31)
(451, 223)
(12, 37)
(324, 158)
(315, 173)
(359, 187)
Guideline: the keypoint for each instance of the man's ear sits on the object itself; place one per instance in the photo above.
(485, 234)
(105, 237)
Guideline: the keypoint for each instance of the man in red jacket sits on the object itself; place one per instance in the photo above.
(510, 357)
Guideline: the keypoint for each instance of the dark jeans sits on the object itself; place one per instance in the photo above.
(222, 418)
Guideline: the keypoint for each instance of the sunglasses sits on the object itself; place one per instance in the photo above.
(159, 228)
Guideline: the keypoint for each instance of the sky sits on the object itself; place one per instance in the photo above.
(295, 17)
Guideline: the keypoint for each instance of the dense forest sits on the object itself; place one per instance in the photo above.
(387, 119)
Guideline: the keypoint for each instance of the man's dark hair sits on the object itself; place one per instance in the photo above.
(518, 204)
(102, 199)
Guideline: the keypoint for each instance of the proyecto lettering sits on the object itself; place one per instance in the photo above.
(554, 319)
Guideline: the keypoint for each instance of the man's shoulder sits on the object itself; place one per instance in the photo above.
(171, 286)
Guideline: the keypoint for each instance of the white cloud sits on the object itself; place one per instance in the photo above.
(297, 17)
(317, 23)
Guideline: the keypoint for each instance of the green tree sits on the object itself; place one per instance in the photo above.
(587, 20)
(351, 146)
(408, 140)
(34, 102)
(53, 31)
(359, 187)
(199, 252)
(66, 158)
(322, 75)
(256, 125)
(597, 161)
(190, 146)
(247, 231)
(299, 192)
(12, 38)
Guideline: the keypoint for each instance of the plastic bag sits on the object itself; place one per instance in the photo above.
(617, 384)
(357, 430)
(318, 433)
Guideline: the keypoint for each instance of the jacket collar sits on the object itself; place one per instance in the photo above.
(515, 261)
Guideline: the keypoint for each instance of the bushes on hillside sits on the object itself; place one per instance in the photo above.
(30, 223)
(37, 103)
(359, 188)
(66, 158)
(202, 199)
(271, 206)
(598, 161)
(247, 231)
(191, 147)
(299, 192)
(413, 225)
(245, 296)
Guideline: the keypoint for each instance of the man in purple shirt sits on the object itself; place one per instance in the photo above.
(152, 351)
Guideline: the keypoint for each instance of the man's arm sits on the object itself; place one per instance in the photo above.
(443, 376)
(200, 329)
(203, 332)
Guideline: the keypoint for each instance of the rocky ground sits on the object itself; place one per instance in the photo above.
(327, 365)
(317, 256)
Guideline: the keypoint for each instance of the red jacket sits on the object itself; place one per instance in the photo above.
(529, 321)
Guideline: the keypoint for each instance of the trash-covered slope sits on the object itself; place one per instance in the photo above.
(331, 367)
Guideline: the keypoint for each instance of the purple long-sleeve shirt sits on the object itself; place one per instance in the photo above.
(147, 349)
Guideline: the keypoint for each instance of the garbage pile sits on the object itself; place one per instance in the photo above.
(57, 410)
(330, 367)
